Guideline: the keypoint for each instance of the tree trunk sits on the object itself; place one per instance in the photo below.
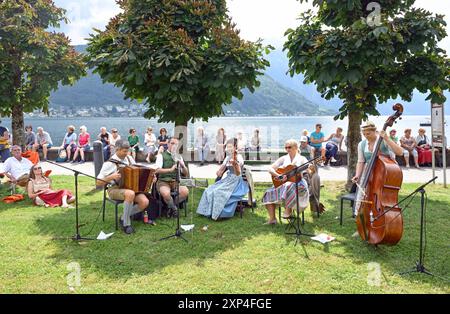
(18, 125)
(182, 134)
(353, 139)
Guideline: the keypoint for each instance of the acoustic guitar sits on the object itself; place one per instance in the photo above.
(292, 172)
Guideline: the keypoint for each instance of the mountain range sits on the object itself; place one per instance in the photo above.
(279, 66)
(279, 94)
(271, 98)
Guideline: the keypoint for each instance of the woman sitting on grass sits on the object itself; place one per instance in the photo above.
(40, 190)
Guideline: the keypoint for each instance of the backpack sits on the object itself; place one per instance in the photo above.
(62, 156)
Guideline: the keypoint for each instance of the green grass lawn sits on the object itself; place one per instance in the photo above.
(232, 256)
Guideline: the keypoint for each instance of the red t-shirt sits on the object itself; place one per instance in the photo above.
(84, 139)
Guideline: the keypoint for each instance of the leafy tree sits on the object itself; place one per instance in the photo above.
(367, 53)
(32, 60)
(183, 58)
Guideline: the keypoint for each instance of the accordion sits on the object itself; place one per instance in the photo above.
(136, 178)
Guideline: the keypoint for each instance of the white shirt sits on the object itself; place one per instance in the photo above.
(286, 161)
(159, 160)
(109, 167)
(112, 140)
(150, 139)
(227, 159)
(17, 168)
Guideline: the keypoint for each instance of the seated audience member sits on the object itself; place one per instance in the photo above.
(83, 145)
(202, 145)
(41, 192)
(333, 146)
(150, 144)
(43, 141)
(115, 136)
(424, 149)
(317, 138)
(305, 149)
(163, 139)
(30, 137)
(394, 138)
(133, 139)
(133, 203)
(69, 143)
(17, 168)
(5, 146)
(408, 143)
(104, 137)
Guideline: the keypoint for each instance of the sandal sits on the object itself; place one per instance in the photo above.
(271, 222)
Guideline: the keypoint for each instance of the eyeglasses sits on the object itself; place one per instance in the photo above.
(38, 168)
(287, 147)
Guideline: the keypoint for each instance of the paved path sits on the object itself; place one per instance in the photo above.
(259, 173)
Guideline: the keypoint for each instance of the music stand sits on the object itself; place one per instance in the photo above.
(77, 236)
(298, 232)
(178, 233)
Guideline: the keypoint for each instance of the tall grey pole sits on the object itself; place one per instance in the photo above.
(444, 148)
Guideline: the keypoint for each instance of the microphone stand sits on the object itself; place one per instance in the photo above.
(77, 236)
(420, 268)
(178, 233)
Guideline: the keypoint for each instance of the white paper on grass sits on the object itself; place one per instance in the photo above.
(323, 238)
(187, 227)
(104, 236)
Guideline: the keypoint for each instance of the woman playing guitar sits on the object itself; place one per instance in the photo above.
(286, 191)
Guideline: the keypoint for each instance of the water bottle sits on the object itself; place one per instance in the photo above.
(145, 217)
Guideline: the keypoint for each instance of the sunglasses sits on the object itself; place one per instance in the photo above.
(38, 168)
(287, 147)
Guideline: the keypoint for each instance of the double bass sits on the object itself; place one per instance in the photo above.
(378, 218)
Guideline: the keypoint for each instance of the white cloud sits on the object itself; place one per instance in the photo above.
(266, 19)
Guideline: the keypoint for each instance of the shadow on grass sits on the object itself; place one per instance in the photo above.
(400, 257)
(141, 253)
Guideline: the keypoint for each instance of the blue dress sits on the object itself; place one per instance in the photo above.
(220, 199)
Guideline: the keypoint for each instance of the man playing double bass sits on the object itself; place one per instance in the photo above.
(133, 203)
(166, 168)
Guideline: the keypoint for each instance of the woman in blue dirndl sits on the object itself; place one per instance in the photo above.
(220, 199)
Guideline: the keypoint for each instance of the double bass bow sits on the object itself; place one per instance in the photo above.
(378, 218)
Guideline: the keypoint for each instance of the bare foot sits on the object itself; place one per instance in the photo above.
(71, 200)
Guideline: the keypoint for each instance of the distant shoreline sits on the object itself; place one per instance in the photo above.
(221, 117)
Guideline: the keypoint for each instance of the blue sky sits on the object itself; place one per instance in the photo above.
(267, 19)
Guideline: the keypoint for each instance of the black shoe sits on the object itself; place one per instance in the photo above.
(172, 213)
(128, 229)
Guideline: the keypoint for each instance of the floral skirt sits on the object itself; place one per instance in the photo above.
(286, 194)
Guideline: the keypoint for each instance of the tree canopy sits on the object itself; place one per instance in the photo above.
(33, 60)
(183, 58)
(367, 53)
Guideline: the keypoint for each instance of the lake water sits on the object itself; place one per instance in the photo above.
(273, 130)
